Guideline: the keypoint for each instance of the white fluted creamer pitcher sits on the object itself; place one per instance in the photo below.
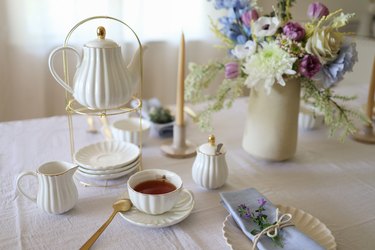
(102, 80)
(57, 192)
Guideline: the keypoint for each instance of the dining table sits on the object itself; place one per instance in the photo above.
(330, 179)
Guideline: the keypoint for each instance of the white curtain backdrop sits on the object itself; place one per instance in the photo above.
(30, 29)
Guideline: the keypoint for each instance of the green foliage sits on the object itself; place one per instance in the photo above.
(283, 8)
(260, 219)
(336, 115)
(228, 43)
(160, 115)
(199, 79)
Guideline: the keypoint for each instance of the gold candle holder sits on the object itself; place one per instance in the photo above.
(180, 147)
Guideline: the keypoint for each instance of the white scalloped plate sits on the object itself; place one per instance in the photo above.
(305, 222)
(110, 171)
(106, 155)
(179, 212)
(109, 176)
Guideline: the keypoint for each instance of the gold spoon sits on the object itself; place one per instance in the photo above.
(119, 206)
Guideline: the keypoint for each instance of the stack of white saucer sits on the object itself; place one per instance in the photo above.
(108, 160)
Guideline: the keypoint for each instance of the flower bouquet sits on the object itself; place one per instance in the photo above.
(269, 50)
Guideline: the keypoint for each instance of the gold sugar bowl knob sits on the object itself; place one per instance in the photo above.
(211, 140)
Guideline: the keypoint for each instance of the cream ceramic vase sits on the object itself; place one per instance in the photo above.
(210, 168)
(271, 128)
(57, 192)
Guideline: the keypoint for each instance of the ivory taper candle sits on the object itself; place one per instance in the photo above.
(180, 83)
(371, 93)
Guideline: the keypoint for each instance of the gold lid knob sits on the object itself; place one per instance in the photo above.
(100, 32)
(211, 140)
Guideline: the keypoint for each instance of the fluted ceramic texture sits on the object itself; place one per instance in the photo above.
(106, 155)
(128, 130)
(210, 171)
(309, 118)
(179, 212)
(103, 81)
(154, 203)
(56, 194)
(309, 121)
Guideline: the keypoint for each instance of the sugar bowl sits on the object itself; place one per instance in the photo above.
(210, 168)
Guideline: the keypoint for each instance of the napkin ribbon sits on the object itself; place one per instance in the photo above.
(273, 230)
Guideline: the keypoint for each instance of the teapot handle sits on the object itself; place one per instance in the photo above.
(20, 176)
(52, 68)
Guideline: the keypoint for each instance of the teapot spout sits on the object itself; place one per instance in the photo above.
(134, 66)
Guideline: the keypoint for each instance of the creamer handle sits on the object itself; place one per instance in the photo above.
(52, 68)
(20, 176)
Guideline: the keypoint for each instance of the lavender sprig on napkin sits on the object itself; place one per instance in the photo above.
(293, 239)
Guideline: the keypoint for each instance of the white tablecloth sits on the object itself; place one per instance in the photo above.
(333, 181)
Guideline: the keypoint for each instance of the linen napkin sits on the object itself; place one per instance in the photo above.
(292, 238)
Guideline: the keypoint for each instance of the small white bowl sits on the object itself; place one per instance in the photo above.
(163, 130)
(154, 203)
(129, 129)
(309, 118)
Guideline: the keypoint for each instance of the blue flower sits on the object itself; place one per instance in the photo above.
(232, 30)
(232, 24)
(334, 71)
(227, 4)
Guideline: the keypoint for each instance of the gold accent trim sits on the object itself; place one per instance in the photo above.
(74, 107)
(100, 32)
(211, 140)
(86, 111)
(38, 172)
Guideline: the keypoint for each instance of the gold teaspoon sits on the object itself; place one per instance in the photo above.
(118, 206)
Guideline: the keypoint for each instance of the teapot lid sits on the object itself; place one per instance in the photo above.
(211, 147)
(101, 42)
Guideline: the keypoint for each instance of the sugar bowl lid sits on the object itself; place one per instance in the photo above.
(101, 41)
(211, 148)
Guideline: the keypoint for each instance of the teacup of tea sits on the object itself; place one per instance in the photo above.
(154, 191)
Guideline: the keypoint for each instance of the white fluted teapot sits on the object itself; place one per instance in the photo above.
(102, 80)
(210, 168)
